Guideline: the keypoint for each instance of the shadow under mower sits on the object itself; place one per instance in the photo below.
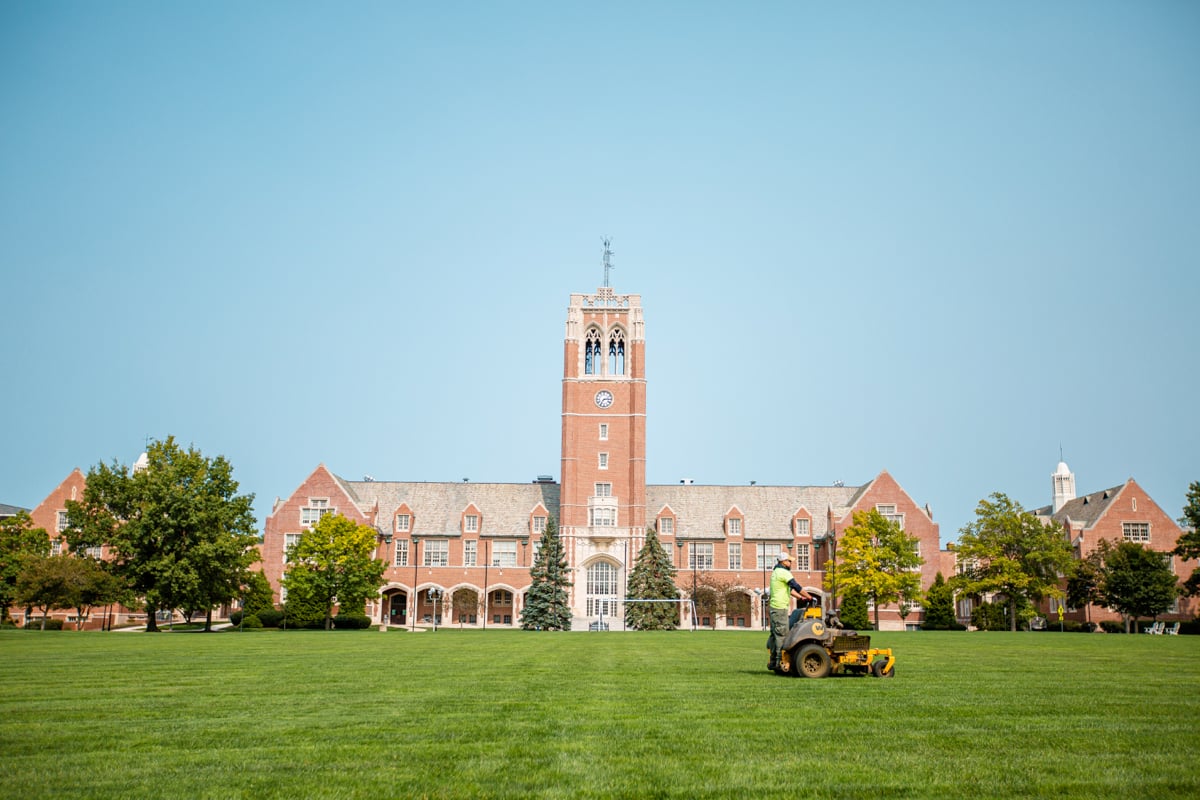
(816, 648)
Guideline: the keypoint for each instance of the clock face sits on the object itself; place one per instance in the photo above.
(604, 398)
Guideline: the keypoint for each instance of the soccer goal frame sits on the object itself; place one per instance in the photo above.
(688, 602)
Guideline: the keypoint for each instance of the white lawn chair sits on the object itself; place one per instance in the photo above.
(1173, 630)
(1156, 628)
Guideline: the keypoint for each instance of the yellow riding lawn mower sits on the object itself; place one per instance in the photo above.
(817, 646)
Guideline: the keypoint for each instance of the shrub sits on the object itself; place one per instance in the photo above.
(251, 621)
(1113, 626)
(989, 617)
(52, 624)
(270, 617)
(351, 622)
(235, 618)
(938, 626)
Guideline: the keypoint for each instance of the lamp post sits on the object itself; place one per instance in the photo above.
(416, 540)
(386, 538)
(486, 561)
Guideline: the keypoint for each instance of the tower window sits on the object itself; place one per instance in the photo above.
(604, 461)
(592, 353)
(616, 353)
(604, 432)
(603, 490)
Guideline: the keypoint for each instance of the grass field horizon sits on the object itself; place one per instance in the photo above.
(361, 714)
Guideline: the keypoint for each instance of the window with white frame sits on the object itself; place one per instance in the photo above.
(470, 553)
(471, 523)
(700, 555)
(437, 553)
(93, 552)
(604, 431)
(734, 526)
(62, 522)
(317, 507)
(403, 523)
(290, 540)
(603, 490)
(504, 554)
(803, 557)
(539, 525)
(666, 526)
(603, 517)
(56, 547)
(401, 559)
(735, 555)
(1136, 531)
(602, 589)
(889, 513)
(802, 527)
(604, 461)
(766, 553)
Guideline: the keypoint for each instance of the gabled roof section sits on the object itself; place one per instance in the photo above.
(700, 511)
(1087, 509)
(10, 511)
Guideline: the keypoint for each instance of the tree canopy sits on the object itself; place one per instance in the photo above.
(652, 578)
(546, 606)
(334, 563)
(177, 530)
(1135, 581)
(877, 558)
(1188, 545)
(1010, 551)
(939, 606)
(19, 543)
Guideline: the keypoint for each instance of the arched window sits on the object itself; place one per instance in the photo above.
(602, 594)
(616, 353)
(592, 353)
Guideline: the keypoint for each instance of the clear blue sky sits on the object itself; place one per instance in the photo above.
(942, 239)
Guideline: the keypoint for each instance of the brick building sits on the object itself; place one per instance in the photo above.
(460, 552)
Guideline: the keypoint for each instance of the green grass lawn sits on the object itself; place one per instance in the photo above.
(511, 714)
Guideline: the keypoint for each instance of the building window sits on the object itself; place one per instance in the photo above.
(735, 555)
(62, 522)
(888, 512)
(504, 554)
(317, 507)
(539, 525)
(604, 461)
(700, 555)
(803, 561)
(592, 353)
(734, 526)
(502, 597)
(401, 553)
(616, 353)
(56, 547)
(602, 590)
(603, 490)
(1136, 531)
(470, 553)
(403, 523)
(93, 552)
(603, 517)
(802, 527)
(290, 540)
(471, 523)
(666, 526)
(437, 553)
(766, 553)
(604, 431)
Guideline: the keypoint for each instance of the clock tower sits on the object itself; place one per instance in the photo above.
(603, 499)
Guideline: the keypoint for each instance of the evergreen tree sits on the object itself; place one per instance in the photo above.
(653, 578)
(546, 606)
(939, 606)
(1188, 545)
(853, 612)
(256, 594)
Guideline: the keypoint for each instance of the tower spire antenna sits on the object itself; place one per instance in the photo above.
(607, 259)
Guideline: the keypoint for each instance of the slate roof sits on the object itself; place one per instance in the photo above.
(10, 511)
(700, 511)
(437, 507)
(1087, 509)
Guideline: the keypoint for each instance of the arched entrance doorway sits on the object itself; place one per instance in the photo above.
(395, 607)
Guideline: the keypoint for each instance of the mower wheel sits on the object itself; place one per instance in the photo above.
(877, 669)
(811, 661)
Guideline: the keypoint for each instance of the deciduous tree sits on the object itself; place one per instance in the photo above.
(876, 557)
(1188, 545)
(652, 578)
(19, 542)
(177, 530)
(1011, 552)
(546, 606)
(334, 564)
(1135, 581)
